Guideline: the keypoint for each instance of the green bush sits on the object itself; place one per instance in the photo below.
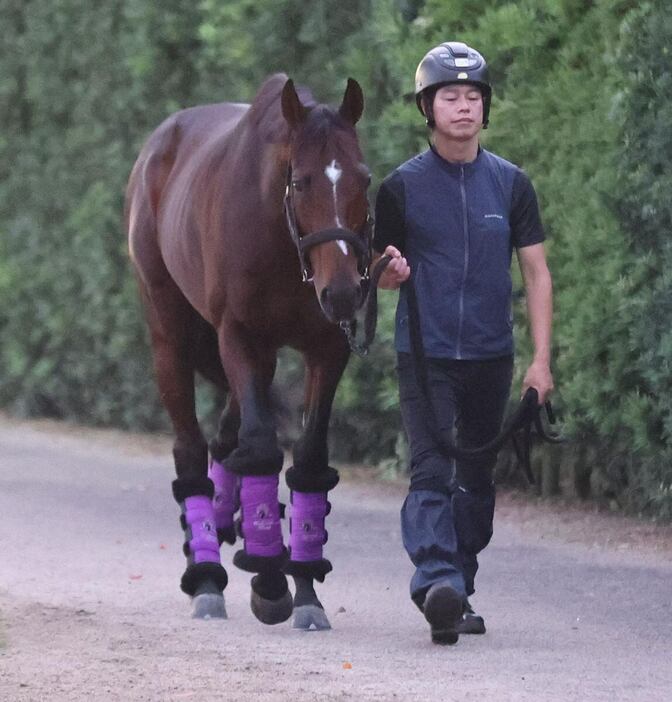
(581, 101)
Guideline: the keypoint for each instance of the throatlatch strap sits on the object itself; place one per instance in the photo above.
(226, 499)
(198, 521)
(306, 525)
(260, 511)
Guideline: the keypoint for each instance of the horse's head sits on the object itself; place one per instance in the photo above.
(326, 202)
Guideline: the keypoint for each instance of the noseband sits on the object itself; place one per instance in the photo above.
(361, 243)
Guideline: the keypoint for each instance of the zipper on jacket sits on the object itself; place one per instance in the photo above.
(460, 319)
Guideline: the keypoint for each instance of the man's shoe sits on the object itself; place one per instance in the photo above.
(471, 622)
(443, 609)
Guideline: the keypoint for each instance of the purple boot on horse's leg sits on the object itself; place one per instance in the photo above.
(226, 501)
(264, 552)
(309, 507)
(204, 579)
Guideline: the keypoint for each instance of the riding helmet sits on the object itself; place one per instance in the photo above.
(452, 62)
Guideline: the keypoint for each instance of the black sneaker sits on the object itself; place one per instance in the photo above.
(443, 610)
(471, 623)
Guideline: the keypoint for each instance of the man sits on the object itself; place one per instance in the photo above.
(451, 217)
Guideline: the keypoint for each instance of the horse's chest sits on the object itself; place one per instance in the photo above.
(278, 310)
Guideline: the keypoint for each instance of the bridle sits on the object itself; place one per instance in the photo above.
(361, 243)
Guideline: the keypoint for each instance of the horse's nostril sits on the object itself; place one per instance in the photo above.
(324, 297)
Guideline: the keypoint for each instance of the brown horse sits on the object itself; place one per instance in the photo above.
(230, 208)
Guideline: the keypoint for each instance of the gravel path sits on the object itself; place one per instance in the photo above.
(578, 604)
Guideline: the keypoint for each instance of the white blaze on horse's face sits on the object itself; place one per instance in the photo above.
(334, 172)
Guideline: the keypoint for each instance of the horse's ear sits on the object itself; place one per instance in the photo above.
(353, 102)
(292, 109)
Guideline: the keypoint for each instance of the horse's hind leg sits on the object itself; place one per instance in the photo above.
(310, 478)
(171, 322)
(226, 483)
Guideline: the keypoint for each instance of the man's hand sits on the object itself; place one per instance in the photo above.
(396, 272)
(539, 377)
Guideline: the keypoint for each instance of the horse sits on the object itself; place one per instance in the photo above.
(249, 230)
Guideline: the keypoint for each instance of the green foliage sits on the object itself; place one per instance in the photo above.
(581, 101)
(73, 343)
(644, 186)
(245, 41)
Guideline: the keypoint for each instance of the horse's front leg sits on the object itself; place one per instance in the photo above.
(257, 460)
(309, 479)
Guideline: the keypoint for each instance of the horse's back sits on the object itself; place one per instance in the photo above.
(181, 136)
(192, 139)
(161, 177)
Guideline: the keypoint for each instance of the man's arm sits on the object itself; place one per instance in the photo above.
(390, 232)
(539, 295)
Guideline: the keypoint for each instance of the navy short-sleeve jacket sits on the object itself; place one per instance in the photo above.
(457, 225)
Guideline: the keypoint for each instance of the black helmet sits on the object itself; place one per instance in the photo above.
(452, 62)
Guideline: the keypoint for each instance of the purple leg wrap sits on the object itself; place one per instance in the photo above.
(260, 512)
(307, 534)
(201, 545)
(226, 499)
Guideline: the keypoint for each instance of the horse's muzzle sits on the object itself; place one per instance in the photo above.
(341, 302)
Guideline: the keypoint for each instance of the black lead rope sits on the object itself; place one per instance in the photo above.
(517, 427)
(371, 311)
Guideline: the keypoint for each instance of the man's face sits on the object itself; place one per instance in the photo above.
(458, 111)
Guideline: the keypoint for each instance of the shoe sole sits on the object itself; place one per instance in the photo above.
(443, 610)
(471, 624)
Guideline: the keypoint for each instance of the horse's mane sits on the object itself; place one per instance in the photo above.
(266, 112)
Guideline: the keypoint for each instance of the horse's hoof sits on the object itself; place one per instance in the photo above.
(306, 616)
(272, 611)
(208, 606)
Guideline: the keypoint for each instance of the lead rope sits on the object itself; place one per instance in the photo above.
(370, 312)
(517, 427)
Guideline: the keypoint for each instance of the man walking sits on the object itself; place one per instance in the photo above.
(452, 216)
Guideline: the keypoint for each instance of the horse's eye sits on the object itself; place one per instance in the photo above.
(365, 173)
(300, 184)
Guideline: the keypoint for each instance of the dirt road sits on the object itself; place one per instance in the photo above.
(578, 605)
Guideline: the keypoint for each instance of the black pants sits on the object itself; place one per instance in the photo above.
(447, 516)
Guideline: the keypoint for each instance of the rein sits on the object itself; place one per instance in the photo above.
(517, 427)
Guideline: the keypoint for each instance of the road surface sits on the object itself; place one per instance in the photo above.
(578, 605)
